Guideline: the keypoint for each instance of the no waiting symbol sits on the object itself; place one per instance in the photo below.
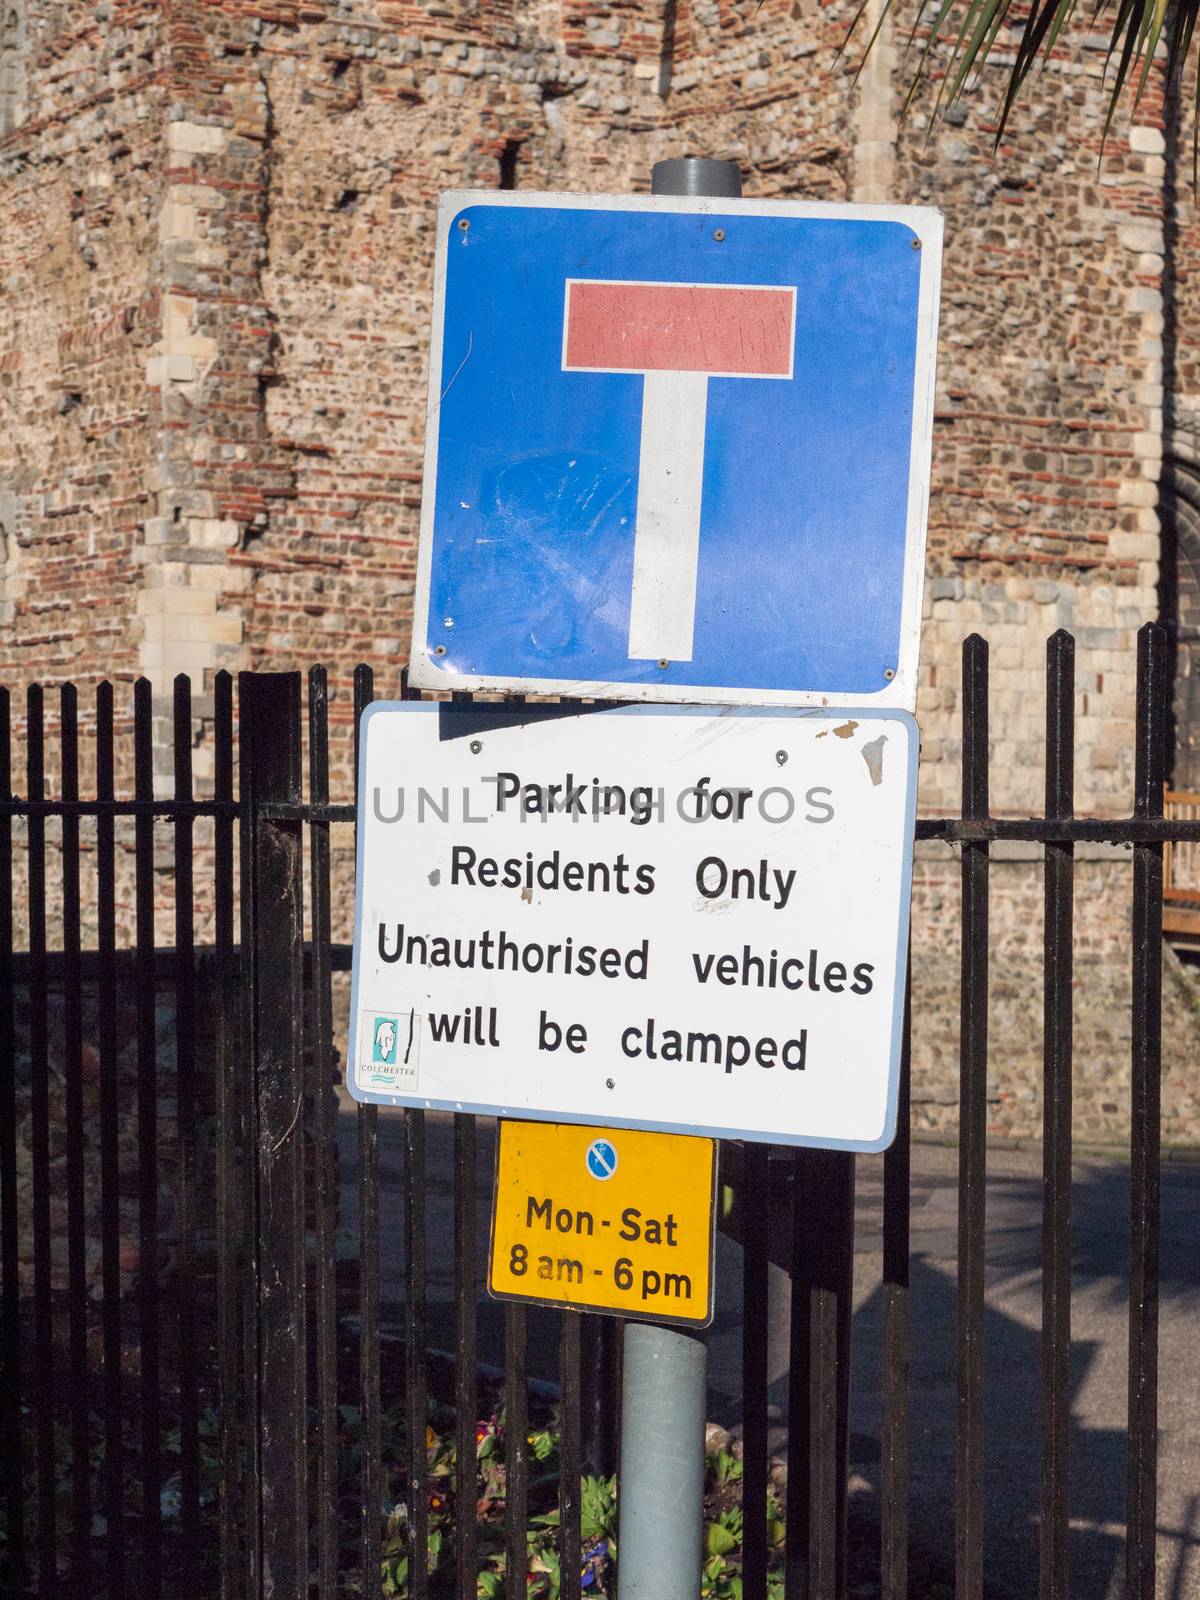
(601, 1158)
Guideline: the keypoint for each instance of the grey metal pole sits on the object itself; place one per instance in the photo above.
(665, 1371)
(697, 175)
(662, 1464)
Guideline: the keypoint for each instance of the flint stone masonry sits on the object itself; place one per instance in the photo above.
(218, 295)
(216, 267)
(1103, 998)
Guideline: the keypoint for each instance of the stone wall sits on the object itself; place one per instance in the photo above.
(80, 172)
(212, 341)
(1102, 987)
(1181, 442)
(218, 329)
(1049, 423)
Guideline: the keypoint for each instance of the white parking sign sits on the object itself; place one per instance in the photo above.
(651, 917)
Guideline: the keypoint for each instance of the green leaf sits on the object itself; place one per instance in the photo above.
(395, 1576)
(547, 1563)
(598, 1507)
(541, 1445)
(956, 40)
(718, 1541)
(725, 1467)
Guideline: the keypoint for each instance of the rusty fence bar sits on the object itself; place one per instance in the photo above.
(368, 1278)
(1057, 1101)
(230, 1396)
(755, 1373)
(185, 1122)
(416, 1377)
(110, 1156)
(973, 1046)
(894, 1417)
(149, 1302)
(10, 1290)
(39, 1141)
(1150, 772)
(271, 772)
(323, 1309)
(77, 1298)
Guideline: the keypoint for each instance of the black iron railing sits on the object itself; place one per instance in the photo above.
(223, 1348)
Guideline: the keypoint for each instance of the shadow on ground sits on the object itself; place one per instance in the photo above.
(1012, 1348)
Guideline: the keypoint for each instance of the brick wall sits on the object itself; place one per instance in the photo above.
(79, 179)
(213, 344)
(223, 254)
(1049, 418)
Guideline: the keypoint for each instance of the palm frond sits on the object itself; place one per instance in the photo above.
(960, 35)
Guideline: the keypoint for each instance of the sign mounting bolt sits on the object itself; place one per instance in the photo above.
(664, 663)
(719, 235)
(439, 649)
(889, 673)
(463, 224)
(476, 746)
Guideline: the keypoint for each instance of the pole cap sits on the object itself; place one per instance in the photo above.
(697, 175)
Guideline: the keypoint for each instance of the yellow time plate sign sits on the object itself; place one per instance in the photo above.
(604, 1219)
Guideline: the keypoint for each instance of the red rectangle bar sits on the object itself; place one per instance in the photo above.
(679, 327)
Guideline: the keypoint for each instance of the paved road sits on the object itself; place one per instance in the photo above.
(1012, 1340)
(1012, 1347)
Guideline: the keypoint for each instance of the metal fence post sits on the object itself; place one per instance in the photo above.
(271, 776)
(1145, 1156)
(819, 1377)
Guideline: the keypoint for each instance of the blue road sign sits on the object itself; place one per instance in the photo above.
(601, 1158)
(678, 449)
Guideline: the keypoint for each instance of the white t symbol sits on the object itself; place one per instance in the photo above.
(678, 336)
